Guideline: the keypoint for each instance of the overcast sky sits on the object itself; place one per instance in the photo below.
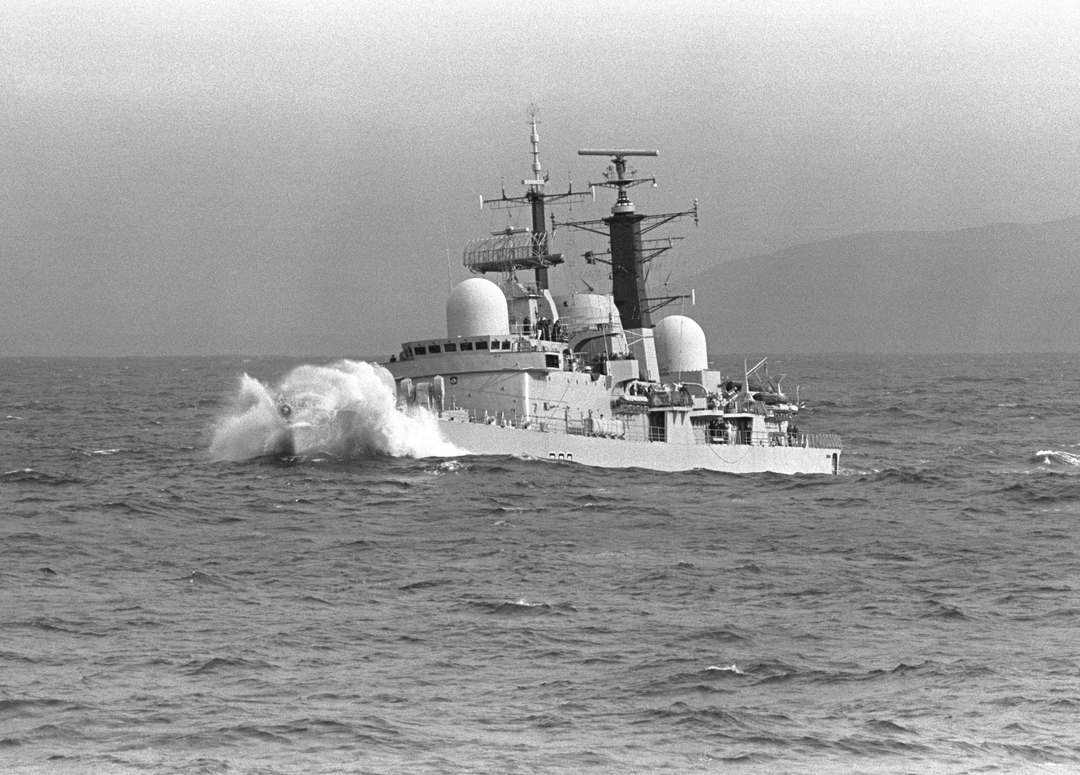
(288, 177)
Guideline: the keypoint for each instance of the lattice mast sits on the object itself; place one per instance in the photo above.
(510, 250)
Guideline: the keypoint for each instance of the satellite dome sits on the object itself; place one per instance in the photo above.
(584, 310)
(680, 345)
(476, 307)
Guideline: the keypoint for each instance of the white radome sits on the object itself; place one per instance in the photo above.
(680, 345)
(476, 307)
(582, 310)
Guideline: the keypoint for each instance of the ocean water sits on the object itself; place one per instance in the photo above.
(169, 609)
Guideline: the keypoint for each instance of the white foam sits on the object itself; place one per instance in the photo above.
(1053, 456)
(729, 669)
(345, 410)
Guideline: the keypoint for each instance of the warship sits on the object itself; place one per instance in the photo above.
(588, 377)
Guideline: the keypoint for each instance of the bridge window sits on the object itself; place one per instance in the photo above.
(466, 345)
(420, 350)
(481, 345)
(451, 347)
(435, 349)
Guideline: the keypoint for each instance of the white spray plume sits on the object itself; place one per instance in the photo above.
(346, 410)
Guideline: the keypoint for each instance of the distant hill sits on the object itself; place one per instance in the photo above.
(1002, 288)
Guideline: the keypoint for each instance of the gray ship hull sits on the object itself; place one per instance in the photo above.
(485, 439)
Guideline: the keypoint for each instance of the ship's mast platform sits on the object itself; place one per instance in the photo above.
(510, 250)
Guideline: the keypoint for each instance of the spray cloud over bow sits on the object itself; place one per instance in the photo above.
(346, 410)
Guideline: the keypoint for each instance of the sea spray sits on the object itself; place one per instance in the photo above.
(252, 427)
(346, 410)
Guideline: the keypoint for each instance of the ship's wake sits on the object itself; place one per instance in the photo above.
(346, 410)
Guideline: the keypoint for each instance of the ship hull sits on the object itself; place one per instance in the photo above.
(484, 439)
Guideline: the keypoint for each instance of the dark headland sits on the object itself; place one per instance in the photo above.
(1002, 288)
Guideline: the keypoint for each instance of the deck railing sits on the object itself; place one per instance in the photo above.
(635, 432)
(818, 440)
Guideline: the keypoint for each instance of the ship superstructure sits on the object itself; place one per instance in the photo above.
(587, 376)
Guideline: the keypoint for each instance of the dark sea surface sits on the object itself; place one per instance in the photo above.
(163, 612)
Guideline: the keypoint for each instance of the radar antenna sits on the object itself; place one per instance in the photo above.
(617, 178)
(534, 251)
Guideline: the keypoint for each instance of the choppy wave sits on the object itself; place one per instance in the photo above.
(32, 476)
(491, 614)
(1057, 457)
(345, 410)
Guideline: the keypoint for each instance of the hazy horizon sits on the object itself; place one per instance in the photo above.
(207, 178)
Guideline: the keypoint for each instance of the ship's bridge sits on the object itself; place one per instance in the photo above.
(482, 355)
(550, 352)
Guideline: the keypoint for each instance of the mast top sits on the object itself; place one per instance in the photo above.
(538, 178)
(615, 153)
(534, 195)
(618, 179)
